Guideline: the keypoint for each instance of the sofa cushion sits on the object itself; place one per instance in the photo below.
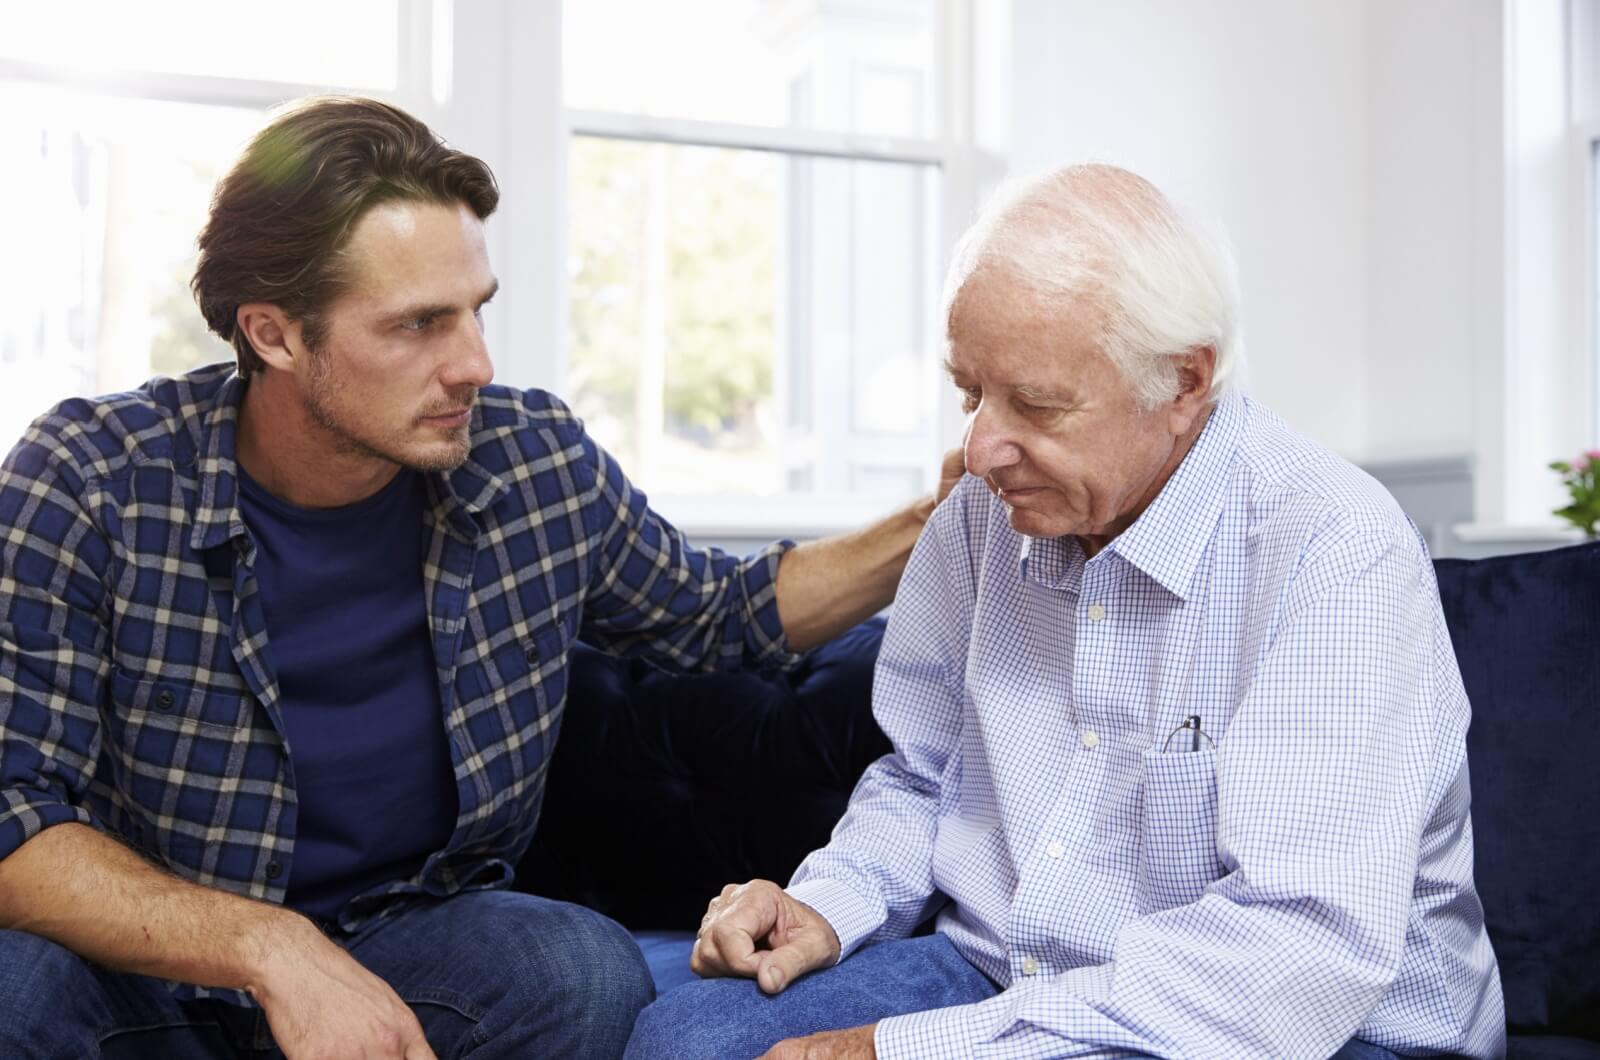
(1550, 1047)
(667, 953)
(665, 787)
(1527, 635)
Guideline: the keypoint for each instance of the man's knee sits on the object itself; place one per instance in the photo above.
(585, 966)
(705, 1020)
(595, 959)
(38, 982)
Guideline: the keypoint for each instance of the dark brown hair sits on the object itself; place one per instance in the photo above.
(283, 213)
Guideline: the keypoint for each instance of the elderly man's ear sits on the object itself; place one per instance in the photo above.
(1195, 371)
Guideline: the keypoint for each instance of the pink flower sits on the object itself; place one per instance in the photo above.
(1585, 459)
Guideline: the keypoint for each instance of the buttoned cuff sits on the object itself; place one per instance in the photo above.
(1024, 1020)
(851, 916)
(955, 1031)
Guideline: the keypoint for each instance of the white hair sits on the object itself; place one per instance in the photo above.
(1099, 238)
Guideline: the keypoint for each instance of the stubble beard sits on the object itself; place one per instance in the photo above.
(320, 407)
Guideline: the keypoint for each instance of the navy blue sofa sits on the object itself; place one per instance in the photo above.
(663, 788)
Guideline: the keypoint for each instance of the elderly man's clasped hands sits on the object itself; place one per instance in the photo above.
(757, 931)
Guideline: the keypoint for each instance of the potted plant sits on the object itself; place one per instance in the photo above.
(1579, 476)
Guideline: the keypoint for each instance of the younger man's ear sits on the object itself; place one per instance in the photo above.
(275, 337)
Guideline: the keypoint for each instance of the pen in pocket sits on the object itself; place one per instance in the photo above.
(1188, 735)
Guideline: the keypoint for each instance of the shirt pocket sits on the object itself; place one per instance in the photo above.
(1178, 858)
(168, 743)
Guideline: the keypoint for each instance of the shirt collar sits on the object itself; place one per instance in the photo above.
(1054, 562)
(1169, 539)
(216, 511)
(471, 487)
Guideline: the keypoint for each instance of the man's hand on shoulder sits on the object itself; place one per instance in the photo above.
(757, 931)
(853, 1044)
(321, 1003)
(951, 470)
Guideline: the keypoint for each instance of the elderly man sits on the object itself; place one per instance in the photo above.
(1179, 761)
(283, 646)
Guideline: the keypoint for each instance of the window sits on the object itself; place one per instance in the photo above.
(355, 42)
(1593, 321)
(1582, 45)
(110, 143)
(115, 191)
(756, 202)
(721, 237)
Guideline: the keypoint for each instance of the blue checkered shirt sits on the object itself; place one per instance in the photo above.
(1305, 881)
(137, 692)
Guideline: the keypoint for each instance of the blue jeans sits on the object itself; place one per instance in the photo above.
(488, 974)
(731, 1019)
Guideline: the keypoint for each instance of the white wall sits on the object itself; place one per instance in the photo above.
(1402, 186)
(1254, 112)
(1477, 343)
(1434, 232)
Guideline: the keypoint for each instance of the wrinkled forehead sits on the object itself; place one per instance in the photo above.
(1000, 303)
(1003, 333)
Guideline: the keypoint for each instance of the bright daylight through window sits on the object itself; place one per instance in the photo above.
(114, 140)
(756, 196)
(753, 243)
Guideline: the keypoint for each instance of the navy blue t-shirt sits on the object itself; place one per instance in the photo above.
(348, 636)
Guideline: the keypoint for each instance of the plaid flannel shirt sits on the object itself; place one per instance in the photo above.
(137, 692)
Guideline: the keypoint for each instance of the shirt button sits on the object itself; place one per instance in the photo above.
(1090, 738)
(1030, 966)
(532, 654)
(1096, 612)
(274, 870)
(164, 699)
(1056, 849)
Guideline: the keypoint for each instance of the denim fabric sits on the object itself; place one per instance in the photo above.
(489, 973)
(667, 954)
(731, 1018)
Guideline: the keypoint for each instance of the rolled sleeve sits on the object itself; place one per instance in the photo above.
(52, 646)
(758, 582)
(651, 593)
(27, 813)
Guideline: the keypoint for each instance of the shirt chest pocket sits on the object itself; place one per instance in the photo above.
(1178, 856)
(170, 743)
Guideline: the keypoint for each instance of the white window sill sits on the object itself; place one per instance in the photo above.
(1497, 533)
(800, 518)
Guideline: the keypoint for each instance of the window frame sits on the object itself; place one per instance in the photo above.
(414, 70)
(415, 64)
(953, 151)
(1587, 183)
(487, 76)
